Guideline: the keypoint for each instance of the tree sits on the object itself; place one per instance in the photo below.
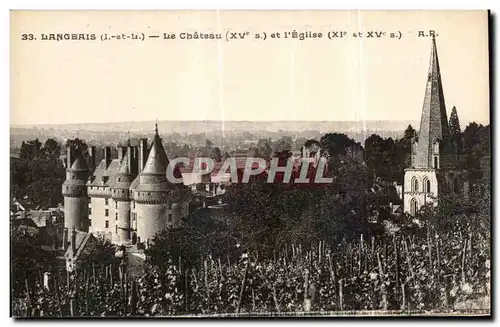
(298, 143)
(472, 137)
(336, 148)
(24, 152)
(51, 149)
(409, 134)
(30, 150)
(455, 131)
(282, 144)
(475, 145)
(28, 259)
(454, 123)
(311, 142)
(173, 150)
(102, 254)
(382, 156)
(375, 153)
(216, 154)
(201, 234)
(40, 179)
(264, 148)
(79, 146)
(402, 149)
(336, 144)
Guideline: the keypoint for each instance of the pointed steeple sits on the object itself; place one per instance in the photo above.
(157, 162)
(434, 71)
(434, 121)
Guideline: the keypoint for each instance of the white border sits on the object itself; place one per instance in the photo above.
(190, 4)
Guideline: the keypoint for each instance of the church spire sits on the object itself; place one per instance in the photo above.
(434, 64)
(434, 121)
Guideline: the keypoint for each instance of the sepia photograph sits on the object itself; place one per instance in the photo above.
(250, 164)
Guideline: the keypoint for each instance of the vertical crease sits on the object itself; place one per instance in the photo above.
(220, 68)
(361, 73)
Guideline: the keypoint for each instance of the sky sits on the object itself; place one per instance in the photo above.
(343, 79)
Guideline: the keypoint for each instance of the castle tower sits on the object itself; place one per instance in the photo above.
(120, 193)
(158, 203)
(431, 153)
(74, 191)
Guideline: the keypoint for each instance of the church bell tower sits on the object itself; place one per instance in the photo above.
(431, 153)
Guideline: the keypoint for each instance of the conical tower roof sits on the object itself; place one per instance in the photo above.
(157, 162)
(79, 165)
(434, 121)
(125, 166)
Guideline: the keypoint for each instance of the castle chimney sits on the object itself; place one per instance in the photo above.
(70, 154)
(73, 242)
(135, 150)
(107, 155)
(121, 152)
(130, 155)
(92, 154)
(143, 155)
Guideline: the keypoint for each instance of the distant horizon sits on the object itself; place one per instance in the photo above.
(411, 121)
(210, 120)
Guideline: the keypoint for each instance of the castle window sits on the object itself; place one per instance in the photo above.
(116, 216)
(90, 222)
(436, 163)
(149, 193)
(413, 207)
(169, 218)
(134, 205)
(106, 212)
(116, 204)
(169, 206)
(106, 201)
(106, 224)
(116, 229)
(90, 211)
(414, 184)
(428, 186)
(436, 147)
(119, 179)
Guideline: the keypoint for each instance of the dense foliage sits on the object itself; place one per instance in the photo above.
(38, 173)
(399, 271)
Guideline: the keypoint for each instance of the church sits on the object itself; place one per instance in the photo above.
(432, 173)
